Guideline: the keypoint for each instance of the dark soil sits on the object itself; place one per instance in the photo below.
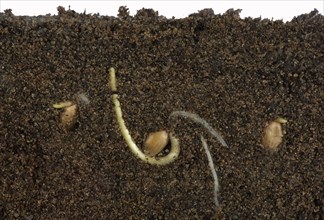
(238, 74)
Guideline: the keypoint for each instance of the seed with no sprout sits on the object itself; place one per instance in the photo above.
(272, 134)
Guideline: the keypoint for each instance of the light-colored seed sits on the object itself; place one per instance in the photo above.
(69, 117)
(272, 134)
(155, 142)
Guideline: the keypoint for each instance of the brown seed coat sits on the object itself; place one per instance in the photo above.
(272, 136)
(69, 117)
(155, 142)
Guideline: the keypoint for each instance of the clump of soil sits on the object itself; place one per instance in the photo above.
(237, 74)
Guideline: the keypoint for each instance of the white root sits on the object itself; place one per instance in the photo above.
(200, 121)
(212, 168)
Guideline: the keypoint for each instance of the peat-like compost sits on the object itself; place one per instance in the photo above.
(237, 74)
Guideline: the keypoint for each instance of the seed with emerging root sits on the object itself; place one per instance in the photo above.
(69, 117)
(155, 142)
(272, 134)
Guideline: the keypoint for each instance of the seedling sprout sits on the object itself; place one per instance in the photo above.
(175, 146)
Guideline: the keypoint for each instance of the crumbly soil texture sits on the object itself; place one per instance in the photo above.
(237, 74)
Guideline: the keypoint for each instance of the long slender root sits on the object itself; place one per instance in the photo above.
(212, 168)
(200, 121)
